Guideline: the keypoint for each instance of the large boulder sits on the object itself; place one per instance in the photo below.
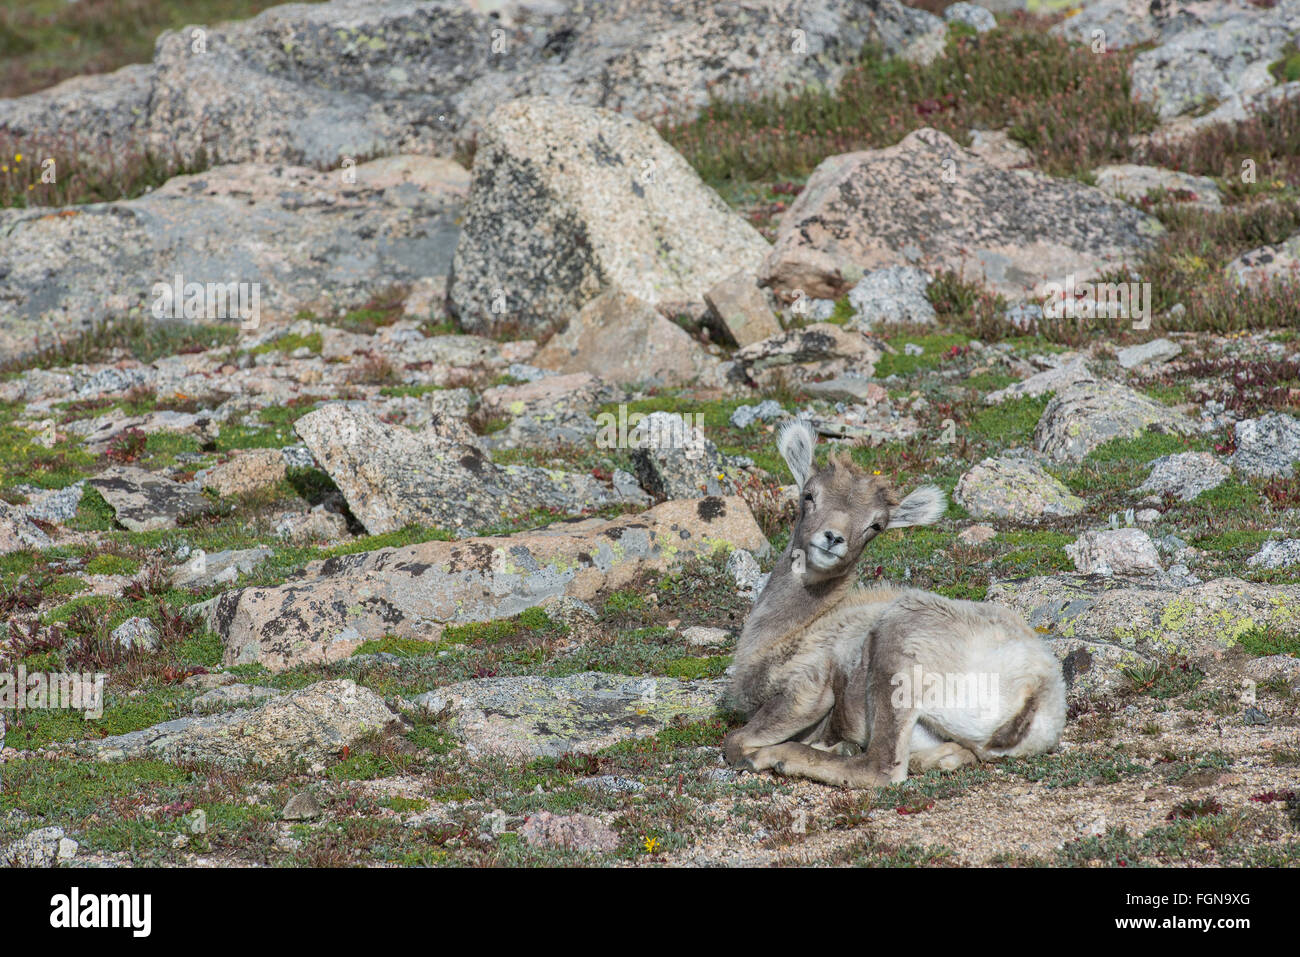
(292, 237)
(393, 477)
(312, 724)
(1014, 230)
(1226, 60)
(312, 83)
(567, 201)
(623, 340)
(1089, 414)
(415, 590)
(532, 717)
(1110, 623)
(1186, 475)
(101, 111)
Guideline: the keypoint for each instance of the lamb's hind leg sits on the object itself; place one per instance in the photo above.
(928, 751)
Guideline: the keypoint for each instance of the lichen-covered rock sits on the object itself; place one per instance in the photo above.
(1155, 618)
(549, 411)
(1089, 414)
(532, 717)
(17, 531)
(1014, 487)
(741, 310)
(312, 724)
(1134, 183)
(1186, 474)
(567, 201)
(1155, 352)
(392, 477)
(136, 632)
(247, 471)
(675, 459)
(1277, 263)
(412, 591)
(314, 83)
(1220, 61)
(1115, 551)
(1071, 371)
(1277, 554)
(271, 239)
(821, 347)
(1267, 446)
(202, 569)
(1013, 230)
(893, 294)
(579, 832)
(96, 112)
(973, 15)
(624, 341)
(143, 501)
(43, 847)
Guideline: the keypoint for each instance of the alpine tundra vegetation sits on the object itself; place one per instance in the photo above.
(390, 397)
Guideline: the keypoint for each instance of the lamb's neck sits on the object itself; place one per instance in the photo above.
(788, 604)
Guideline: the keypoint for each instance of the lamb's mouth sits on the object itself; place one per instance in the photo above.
(822, 557)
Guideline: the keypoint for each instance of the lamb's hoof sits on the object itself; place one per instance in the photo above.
(846, 749)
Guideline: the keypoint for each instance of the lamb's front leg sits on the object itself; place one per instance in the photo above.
(885, 760)
(779, 719)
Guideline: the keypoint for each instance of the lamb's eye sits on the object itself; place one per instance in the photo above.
(808, 497)
(875, 527)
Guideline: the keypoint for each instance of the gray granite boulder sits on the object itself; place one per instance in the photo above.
(532, 717)
(568, 201)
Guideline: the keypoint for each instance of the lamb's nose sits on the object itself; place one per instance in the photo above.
(833, 538)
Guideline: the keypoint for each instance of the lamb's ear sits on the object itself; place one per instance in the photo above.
(925, 506)
(796, 446)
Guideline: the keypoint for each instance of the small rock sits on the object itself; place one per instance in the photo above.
(303, 806)
(1123, 551)
(1268, 446)
(1153, 352)
(766, 411)
(703, 637)
(1186, 475)
(198, 821)
(1277, 554)
(1014, 486)
(744, 570)
(580, 832)
(892, 294)
(136, 632)
(1254, 717)
(972, 15)
(44, 847)
(740, 309)
(977, 535)
(247, 471)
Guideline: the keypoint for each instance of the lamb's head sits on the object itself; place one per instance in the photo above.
(842, 506)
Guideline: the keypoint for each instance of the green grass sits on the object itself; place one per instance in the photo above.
(1010, 423)
(1269, 641)
(904, 365)
(409, 535)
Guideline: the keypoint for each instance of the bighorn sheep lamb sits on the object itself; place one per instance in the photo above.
(843, 684)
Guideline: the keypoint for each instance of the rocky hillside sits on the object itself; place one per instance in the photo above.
(388, 395)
